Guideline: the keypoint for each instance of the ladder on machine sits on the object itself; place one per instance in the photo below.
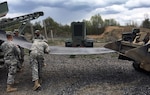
(23, 20)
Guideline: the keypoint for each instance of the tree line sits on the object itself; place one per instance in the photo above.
(95, 26)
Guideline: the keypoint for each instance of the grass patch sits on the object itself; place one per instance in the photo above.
(113, 55)
(57, 42)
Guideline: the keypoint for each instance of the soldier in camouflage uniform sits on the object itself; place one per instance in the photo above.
(38, 35)
(38, 49)
(21, 56)
(11, 52)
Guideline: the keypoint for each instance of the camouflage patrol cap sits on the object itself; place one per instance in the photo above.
(37, 31)
(16, 30)
(10, 33)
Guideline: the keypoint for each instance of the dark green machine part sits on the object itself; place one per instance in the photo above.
(78, 30)
(134, 46)
(3, 9)
(23, 20)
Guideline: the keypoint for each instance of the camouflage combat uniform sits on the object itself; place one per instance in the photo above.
(38, 49)
(40, 36)
(11, 52)
(21, 56)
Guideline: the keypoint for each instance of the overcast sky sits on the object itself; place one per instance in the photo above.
(66, 11)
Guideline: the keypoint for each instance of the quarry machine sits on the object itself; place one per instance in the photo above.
(78, 30)
(3, 9)
(22, 20)
(134, 46)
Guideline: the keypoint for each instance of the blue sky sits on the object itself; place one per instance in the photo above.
(66, 11)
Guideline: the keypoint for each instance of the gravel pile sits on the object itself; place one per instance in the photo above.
(83, 75)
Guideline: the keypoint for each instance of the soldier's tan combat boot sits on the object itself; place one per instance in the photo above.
(36, 85)
(10, 88)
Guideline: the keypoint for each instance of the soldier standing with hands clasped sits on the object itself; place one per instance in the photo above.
(38, 49)
(11, 52)
(21, 56)
(38, 35)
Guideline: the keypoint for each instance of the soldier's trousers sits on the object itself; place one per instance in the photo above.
(12, 68)
(36, 66)
(11, 74)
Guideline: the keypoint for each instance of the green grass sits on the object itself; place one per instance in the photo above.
(56, 42)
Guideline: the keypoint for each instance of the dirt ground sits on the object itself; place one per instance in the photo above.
(83, 75)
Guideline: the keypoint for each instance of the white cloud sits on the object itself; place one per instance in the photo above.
(61, 15)
(114, 9)
(66, 11)
(14, 15)
(12, 2)
(137, 3)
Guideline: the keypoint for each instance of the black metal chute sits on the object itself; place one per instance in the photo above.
(23, 20)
